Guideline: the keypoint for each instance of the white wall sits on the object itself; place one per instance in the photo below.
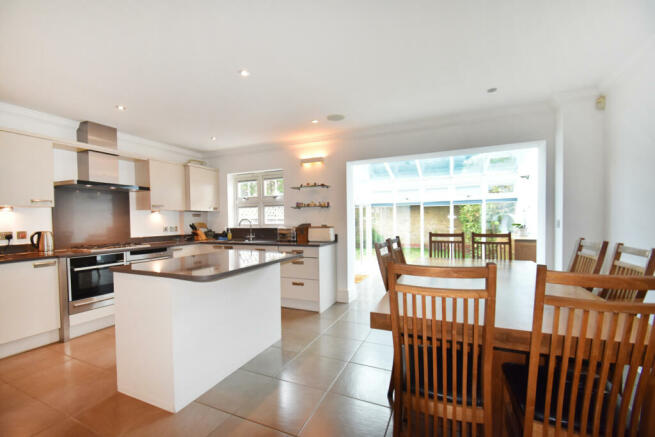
(143, 223)
(630, 144)
(503, 126)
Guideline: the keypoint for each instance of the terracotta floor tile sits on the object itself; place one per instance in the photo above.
(195, 420)
(28, 363)
(345, 417)
(119, 414)
(69, 387)
(365, 383)
(97, 348)
(237, 427)
(312, 370)
(282, 405)
(351, 330)
(269, 362)
(334, 347)
(68, 427)
(21, 415)
(375, 355)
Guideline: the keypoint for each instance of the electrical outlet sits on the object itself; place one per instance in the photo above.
(165, 228)
(21, 235)
(173, 228)
(3, 235)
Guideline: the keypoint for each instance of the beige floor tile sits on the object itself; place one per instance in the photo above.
(312, 370)
(70, 386)
(269, 362)
(314, 324)
(21, 415)
(237, 427)
(334, 347)
(195, 420)
(97, 348)
(380, 337)
(278, 404)
(375, 355)
(335, 311)
(363, 382)
(345, 417)
(28, 363)
(294, 340)
(361, 316)
(119, 414)
(68, 427)
(351, 330)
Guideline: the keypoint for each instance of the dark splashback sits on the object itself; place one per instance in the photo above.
(90, 217)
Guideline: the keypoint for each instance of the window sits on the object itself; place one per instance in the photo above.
(259, 197)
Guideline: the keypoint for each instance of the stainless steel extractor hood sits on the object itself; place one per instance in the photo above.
(97, 170)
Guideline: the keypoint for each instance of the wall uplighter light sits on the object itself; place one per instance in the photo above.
(310, 161)
(6, 208)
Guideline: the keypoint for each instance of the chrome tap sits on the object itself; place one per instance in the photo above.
(250, 236)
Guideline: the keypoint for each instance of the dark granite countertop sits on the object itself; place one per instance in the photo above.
(208, 267)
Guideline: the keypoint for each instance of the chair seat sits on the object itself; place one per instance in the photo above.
(516, 376)
(449, 376)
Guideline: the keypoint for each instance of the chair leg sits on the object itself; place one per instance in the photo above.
(390, 390)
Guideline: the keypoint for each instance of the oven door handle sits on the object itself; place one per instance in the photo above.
(92, 300)
(145, 260)
(102, 266)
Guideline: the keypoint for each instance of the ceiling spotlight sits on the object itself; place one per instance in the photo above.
(315, 121)
(492, 90)
(121, 107)
(244, 73)
(213, 138)
(335, 117)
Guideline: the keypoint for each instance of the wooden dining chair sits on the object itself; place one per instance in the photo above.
(396, 250)
(589, 361)
(443, 350)
(491, 246)
(620, 267)
(449, 246)
(383, 255)
(588, 257)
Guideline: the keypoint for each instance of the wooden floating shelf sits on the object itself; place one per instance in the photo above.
(310, 206)
(303, 187)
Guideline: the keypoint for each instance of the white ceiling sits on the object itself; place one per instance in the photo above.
(175, 64)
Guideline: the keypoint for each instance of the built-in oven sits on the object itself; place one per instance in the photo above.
(91, 282)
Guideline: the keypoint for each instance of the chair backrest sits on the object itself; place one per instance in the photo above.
(620, 267)
(396, 250)
(594, 351)
(588, 257)
(437, 323)
(383, 254)
(491, 246)
(450, 246)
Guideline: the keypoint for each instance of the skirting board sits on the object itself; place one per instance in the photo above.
(25, 344)
(345, 295)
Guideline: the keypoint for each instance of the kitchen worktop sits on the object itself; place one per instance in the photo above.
(208, 267)
(24, 252)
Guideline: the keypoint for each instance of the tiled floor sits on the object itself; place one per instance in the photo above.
(328, 376)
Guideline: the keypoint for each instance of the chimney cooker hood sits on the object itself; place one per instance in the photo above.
(96, 170)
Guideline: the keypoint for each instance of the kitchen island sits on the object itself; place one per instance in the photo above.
(184, 324)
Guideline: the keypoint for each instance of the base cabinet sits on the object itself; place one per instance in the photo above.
(309, 283)
(29, 299)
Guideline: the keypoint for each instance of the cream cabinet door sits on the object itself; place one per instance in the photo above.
(29, 299)
(167, 186)
(27, 174)
(202, 188)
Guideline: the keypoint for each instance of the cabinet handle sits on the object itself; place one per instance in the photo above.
(215, 208)
(298, 284)
(299, 252)
(227, 247)
(40, 200)
(157, 206)
(260, 249)
(298, 262)
(176, 249)
(44, 264)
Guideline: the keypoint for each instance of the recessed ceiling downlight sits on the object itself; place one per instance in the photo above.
(314, 121)
(121, 107)
(336, 117)
(212, 138)
(492, 90)
(244, 73)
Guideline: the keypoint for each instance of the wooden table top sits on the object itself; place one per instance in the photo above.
(515, 285)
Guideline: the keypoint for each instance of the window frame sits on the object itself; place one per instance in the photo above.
(260, 201)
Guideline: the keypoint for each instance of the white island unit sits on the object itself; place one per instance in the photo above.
(184, 324)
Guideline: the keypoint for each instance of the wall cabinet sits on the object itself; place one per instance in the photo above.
(201, 188)
(167, 186)
(27, 174)
(29, 299)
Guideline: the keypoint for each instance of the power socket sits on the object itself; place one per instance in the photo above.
(3, 235)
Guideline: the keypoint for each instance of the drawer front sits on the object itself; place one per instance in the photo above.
(304, 268)
(296, 288)
(307, 252)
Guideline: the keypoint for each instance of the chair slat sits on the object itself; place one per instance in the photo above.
(491, 246)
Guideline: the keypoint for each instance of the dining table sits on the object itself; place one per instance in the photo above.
(515, 291)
